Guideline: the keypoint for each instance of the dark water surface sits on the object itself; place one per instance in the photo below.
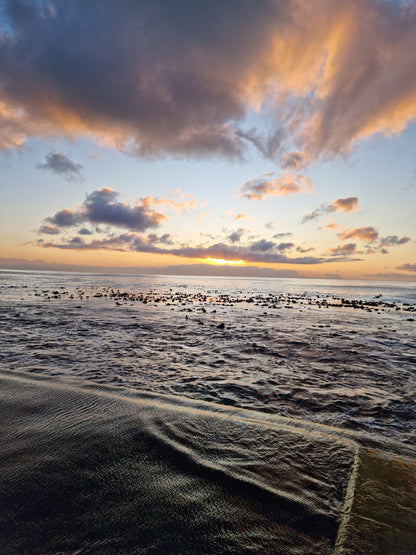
(334, 352)
(95, 469)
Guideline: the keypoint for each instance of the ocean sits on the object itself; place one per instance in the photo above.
(335, 352)
(194, 415)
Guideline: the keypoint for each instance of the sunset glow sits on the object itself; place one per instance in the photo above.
(207, 276)
(222, 262)
(284, 141)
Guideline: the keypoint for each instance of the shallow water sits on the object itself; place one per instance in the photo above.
(89, 468)
(334, 352)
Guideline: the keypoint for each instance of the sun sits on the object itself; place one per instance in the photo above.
(223, 262)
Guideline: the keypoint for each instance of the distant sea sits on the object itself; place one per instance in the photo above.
(335, 352)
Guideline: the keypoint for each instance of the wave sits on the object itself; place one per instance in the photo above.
(99, 469)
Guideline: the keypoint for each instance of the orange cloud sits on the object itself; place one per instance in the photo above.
(203, 216)
(349, 204)
(339, 58)
(184, 203)
(347, 249)
(286, 185)
(332, 225)
(366, 234)
(327, 74)
(243, 216)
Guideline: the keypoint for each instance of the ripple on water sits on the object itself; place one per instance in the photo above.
(318, 357)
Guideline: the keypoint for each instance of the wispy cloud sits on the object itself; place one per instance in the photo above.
(285, 185)
(293, 161)
(349, 204)
(391, 276)
(180, 201)
(305, 249)
(282, 235)
(60, 164)
(243, 216)
(393, 240)
(407, 267)
(204, 215)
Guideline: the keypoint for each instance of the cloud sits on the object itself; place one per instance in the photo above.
(49, 229)
(311, 216)
(393, 240)
(407, 267)
(392, 276)
(262, 246)
(305, 249)
(286, 246)
(65, 218)
(292, 161)
(147, 79)
(183, 203)
(243, 216)
(332, 225)
(165, 239)
(282, 235)
(285, 185)
(203, 216)
(179, 78)
(349, 204)
(60, 164)
(102, 207)
(347, 249)
(85, 231)
(366, 234)
(180, 269)
(235, 236)
(261, 251)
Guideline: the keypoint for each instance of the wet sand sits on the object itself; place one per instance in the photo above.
(97, 469)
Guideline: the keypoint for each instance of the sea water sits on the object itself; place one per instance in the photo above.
(334, 352)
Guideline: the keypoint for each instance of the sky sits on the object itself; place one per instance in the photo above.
(267, 137)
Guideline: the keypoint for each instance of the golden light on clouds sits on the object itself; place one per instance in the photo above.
(223, 262)
(283, 86)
